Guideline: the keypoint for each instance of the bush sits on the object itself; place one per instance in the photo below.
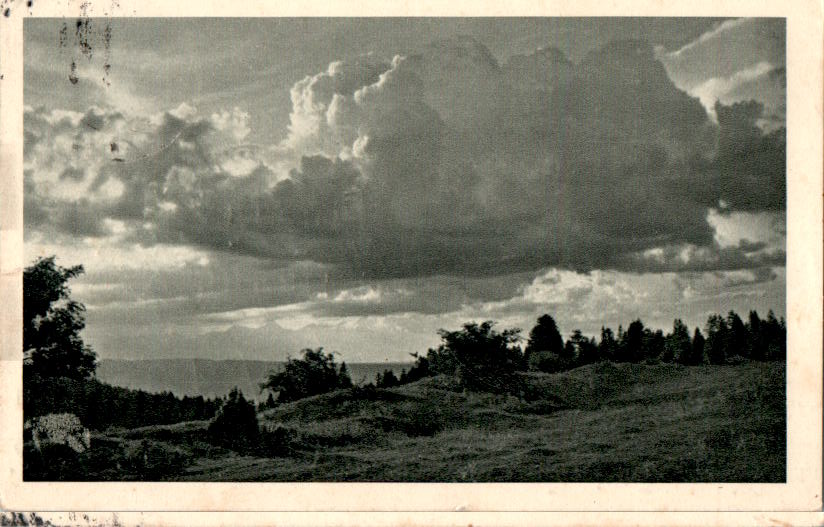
(482, 358)
(314, 374)
(418, 371)
(387, 379)
(64, 429)
(235, 426)
(367, 392)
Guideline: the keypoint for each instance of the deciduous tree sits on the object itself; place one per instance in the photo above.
(52, 322)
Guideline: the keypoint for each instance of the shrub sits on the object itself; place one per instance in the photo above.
(387, 379)
(64, 429)
(418, 371)
(482, 358)
(314, 374)
(235, 426)
(367, 392)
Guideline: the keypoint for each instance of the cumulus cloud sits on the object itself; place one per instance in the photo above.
(588, 301)
(748, 169)
(440, 162)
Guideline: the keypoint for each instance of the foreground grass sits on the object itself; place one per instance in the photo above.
(603, 422)
(597, 423)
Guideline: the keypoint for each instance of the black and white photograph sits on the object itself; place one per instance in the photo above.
(382, 250)
(405, 250)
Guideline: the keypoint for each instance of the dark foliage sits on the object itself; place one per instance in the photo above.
(268, 403)
(653, 346)
(631, 346)
(387, 379)
(728, 339)
(586, 350)
(314, 374)
(52, 322)
(774, 337)
(100, 406)
(697, 354)
(442, 360)
(550, 362)
(482, 358)
(276, 441)
(756, 345)
(344, 379)
(546, 340)
(608, 346)
(737, 337)
(677, 345)
(107, 459)
(235, 426)
(418, 371)
(717, 339)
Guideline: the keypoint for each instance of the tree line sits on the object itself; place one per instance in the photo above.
(728, 339)
(99, 405)
(59, 368)
(485, 359)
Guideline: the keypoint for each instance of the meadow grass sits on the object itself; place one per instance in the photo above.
(602, 422)
(598, 423)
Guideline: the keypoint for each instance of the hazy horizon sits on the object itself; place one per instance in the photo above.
(246, 188)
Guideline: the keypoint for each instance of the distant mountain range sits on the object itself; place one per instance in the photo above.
(212, 378)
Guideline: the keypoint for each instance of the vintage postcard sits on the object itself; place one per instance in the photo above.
(457, 263)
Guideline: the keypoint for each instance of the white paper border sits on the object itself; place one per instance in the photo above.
(802, 492)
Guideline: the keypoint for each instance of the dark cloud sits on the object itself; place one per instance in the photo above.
(198, 289)
(447, 162)
(749, 169)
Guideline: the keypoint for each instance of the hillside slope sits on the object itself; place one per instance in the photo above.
(603, 422)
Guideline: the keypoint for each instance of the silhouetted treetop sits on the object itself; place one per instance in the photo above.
(52, 322)
(315, 373)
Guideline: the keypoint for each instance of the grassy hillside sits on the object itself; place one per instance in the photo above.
(602, 422)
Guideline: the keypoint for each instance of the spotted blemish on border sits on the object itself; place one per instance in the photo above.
(89, 33)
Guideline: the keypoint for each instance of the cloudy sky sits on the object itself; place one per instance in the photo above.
(246, 188)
